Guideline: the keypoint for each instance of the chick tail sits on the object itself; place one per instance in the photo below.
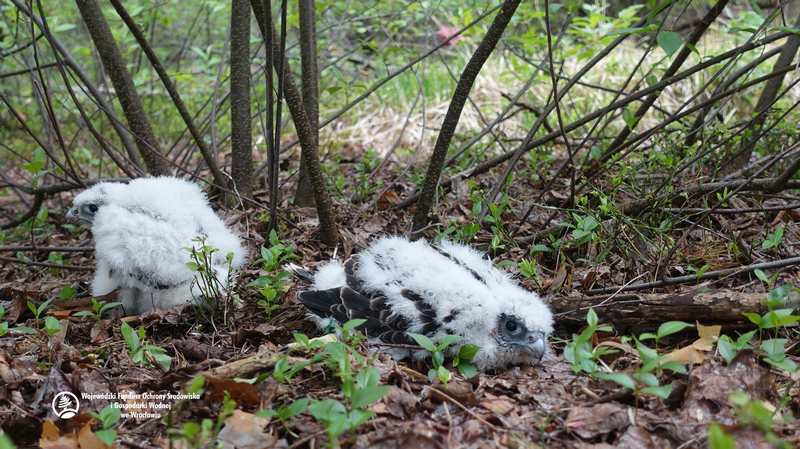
(300, 272)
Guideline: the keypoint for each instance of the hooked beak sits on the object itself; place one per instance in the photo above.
(535, 347)
(74, 215)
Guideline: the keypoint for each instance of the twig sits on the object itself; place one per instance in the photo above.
(734, 211)
(56, 249)
(693, 278)
(45, 264)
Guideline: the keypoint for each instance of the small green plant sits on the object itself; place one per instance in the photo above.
(580, 352)
(214, 292)
(287, 411)
(718, 439)
(365, 186)
(142, 352)
(275, 280)
(38, 310)
(769, 281)
(51, 326)
(198, 435)
(773, 239)
(729, 348)
(3, 324)
(584, 229)
(360, 386)
(99, 308)
(698, 271)
(462, 361)
(584, 357)
(107, 418)
(665, 329)
(778, 315)
(755, 413)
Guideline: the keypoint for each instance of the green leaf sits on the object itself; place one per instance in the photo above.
(108, 306)
(363, 397)
(107, 436)
(468, 370)
(744, 340)
(66, 293)
(675, 367)
(647, 336)
(52, 326)
(327, 410)
(37, 161)
(649, 379)
(591, 318)
(423, 341)
(130, 337)
(629, 118)
(468, 352)
(662, 391)
(753, 317)
(671, 327)
(3, 328)
(5, 441)
(109, 416)
(718, 439)
(761, 275)
(446, 341)
(669, 41)
(160, 356)
(295, 408)
(622, 379)
(775, 348)
(196, 385)
(443, 374)
(267, 413)
(347, 328)
(726, 348)
(368, 377)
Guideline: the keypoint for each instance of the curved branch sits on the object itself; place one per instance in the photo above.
(451, 119)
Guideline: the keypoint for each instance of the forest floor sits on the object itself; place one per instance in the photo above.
(550, 405)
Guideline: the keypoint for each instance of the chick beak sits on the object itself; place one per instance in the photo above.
(73, 215)
(535, 347)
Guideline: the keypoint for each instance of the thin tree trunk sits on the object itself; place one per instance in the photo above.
(219, 177)
(123, 85)
(464, 86)
(767, 98)
(328, 229)
(304, 193)
(241, 127)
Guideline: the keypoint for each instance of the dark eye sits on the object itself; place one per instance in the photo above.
(93, 208)
(511, 325)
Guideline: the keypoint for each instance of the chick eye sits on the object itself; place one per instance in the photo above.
(93, 208)
(511, 325)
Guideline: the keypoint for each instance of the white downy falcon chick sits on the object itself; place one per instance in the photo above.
(401, 286)
(142, 230)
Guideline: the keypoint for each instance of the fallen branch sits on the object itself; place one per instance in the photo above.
(243, 367)
(641, 311)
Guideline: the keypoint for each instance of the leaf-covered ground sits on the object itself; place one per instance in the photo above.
(745, 394)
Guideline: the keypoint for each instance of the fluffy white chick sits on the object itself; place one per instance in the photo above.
(400, 286)
(142, 230)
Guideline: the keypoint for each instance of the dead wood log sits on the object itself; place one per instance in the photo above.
(260, 361)
(648, 310)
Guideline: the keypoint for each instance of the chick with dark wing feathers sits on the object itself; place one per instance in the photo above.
(402, 287)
